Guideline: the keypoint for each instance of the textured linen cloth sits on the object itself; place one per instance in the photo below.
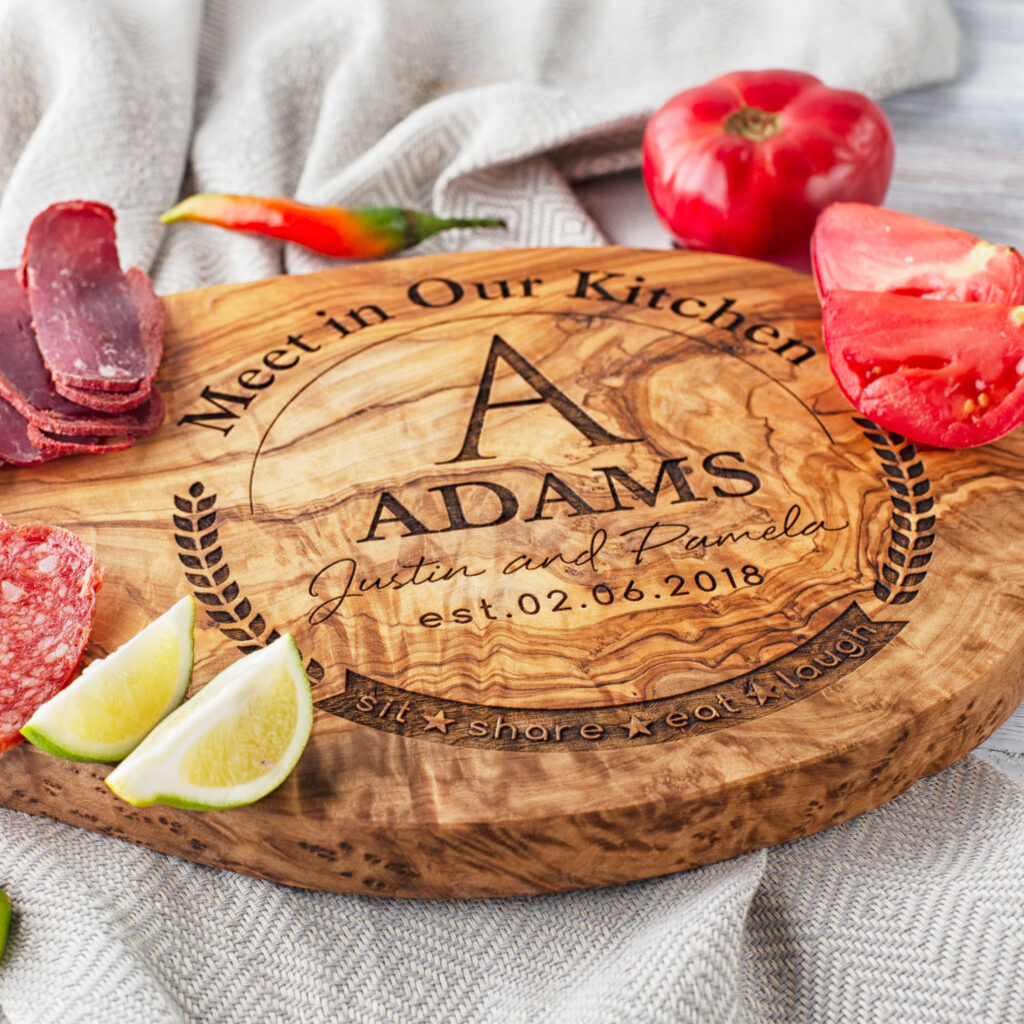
(910, 913)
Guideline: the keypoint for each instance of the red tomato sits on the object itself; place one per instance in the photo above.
(867, 248)
(949, 374)
(744, 164)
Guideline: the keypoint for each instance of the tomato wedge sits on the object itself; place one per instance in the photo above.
(867, 248)
(948, 374)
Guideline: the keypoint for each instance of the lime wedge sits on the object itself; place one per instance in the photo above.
(236, 740)
(106, 712)
(5, 920)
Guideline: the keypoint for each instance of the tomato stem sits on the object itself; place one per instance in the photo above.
(753, 123)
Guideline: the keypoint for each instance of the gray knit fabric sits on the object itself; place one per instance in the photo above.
(466, 107)
(911, 913)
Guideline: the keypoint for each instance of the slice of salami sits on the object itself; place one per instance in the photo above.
(28, 386)
(48, 584)
(97, 328)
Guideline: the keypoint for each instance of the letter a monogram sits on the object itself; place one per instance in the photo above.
(546, 393)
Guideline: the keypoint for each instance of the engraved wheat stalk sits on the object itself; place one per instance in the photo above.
(912, 527)
(210, 576)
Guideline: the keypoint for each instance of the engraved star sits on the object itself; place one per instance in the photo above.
(762, 692)
(636, 727)
(438, 722)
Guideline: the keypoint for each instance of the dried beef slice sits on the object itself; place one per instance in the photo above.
(16, 447)
(109, 403)
(97, 327)
(80, 342)
(26, 383)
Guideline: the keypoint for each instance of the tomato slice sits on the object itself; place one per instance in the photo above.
(867, 248)
(949, 374)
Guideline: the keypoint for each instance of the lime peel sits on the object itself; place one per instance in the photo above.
(107, 711)
(5, 920)
(233, 743)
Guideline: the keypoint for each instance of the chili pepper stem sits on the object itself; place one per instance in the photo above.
(420, 225)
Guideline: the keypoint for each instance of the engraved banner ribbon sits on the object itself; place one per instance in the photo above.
(840, 648)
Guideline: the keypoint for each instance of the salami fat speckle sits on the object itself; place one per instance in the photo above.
(48, 584)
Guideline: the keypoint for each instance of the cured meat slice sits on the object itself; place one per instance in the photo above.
(61, 444)
(152, 323)
(27, 385)
(16, 447)
(48, 584)
(109, 402)
(97, 328)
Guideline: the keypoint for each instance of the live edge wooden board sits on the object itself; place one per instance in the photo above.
(596, 574)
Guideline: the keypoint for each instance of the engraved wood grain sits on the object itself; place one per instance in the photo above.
(649, 663)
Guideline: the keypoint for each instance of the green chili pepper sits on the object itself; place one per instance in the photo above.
(366, 233)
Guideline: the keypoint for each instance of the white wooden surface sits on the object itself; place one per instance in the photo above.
(959, 160)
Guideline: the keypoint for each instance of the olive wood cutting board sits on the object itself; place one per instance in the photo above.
(595, 573)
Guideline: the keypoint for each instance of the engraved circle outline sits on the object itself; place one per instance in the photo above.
(548, 315)
(661, 331)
